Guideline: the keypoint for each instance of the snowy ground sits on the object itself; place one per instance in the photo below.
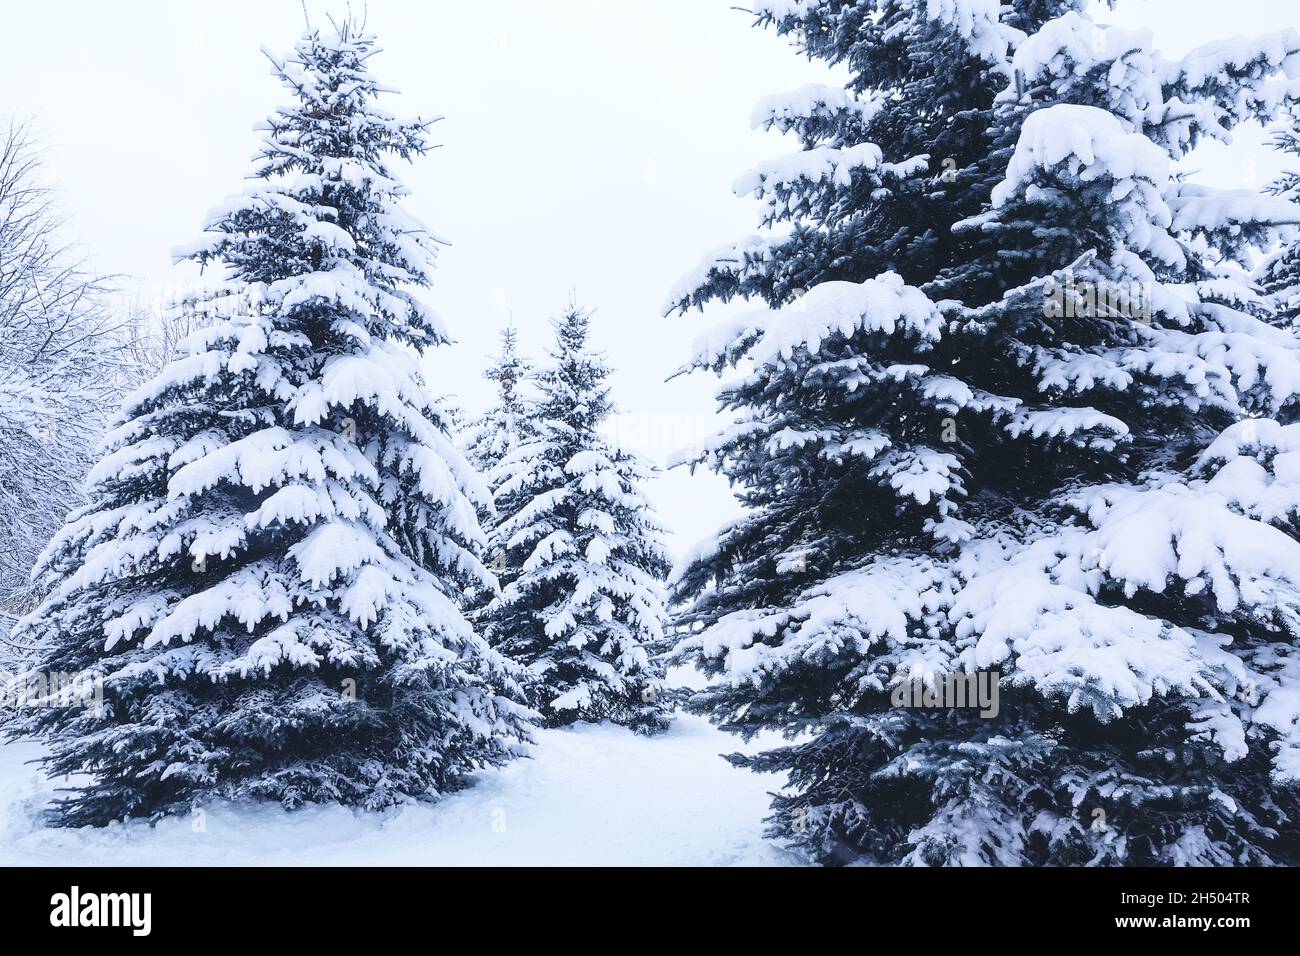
(591, 795)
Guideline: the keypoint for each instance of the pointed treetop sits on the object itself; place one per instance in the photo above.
(577, 371)
(509, 369)
(326, 201)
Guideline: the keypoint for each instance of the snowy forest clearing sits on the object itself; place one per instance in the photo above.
(591, 795)
(1015, 413)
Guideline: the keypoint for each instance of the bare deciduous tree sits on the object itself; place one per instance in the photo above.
(64, 359)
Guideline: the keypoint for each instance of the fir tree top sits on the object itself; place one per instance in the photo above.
(329, 197)
(573, 388)
(506, 423)
(509, 371)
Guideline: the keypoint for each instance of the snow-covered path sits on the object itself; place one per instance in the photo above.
(595, 795)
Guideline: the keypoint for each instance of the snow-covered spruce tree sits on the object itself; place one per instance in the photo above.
(270, 570)
(1280, 272)
(835, 447)
(489, 439)
(583, 605)
(1060, 477)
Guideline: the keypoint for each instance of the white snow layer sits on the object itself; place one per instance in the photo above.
(590, 795)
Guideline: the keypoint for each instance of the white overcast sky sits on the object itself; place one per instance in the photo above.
(588, 145)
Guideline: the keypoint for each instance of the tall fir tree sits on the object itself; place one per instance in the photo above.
(1034, 451)
(269, 575)
(582, 606)
(491, 437)
(505, 426)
